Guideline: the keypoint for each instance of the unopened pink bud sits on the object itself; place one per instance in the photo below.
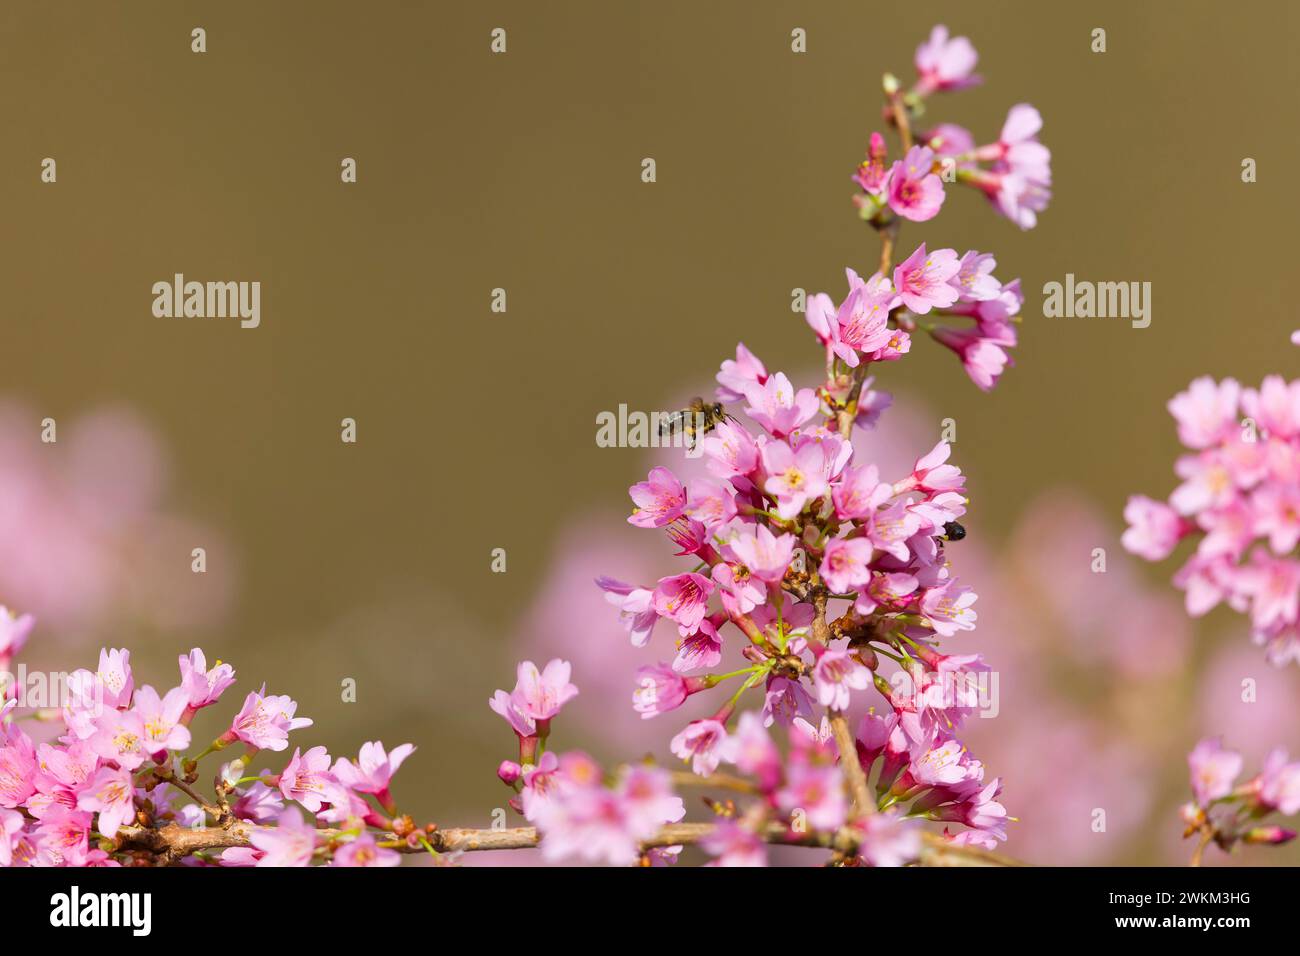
(1273, 835)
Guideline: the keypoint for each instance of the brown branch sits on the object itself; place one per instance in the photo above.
(172, 842)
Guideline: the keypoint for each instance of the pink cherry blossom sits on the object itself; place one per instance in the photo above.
(948, 608)
(1213, 770)
(923, 279)
(115, 675)
(1207, 412)
(701, 744)
(291, 842)
(766, 555)
(889, 840)
(659, 499)
(204, 686)
(306, 778)
(1154, 528)
(983, 358)
(846, 564)
(161, 719)
(684, 598)
(835, 675)
(1278, 787)
(541, 693)
(735, 376)
(364, 851)
(635, 610)
(504, 704)
(915, 190)
(734, 844)
(14, 631)
(374, 768)
(945, 63)
(778, 407)
(264, 722)
(111, 794)
(794, 477)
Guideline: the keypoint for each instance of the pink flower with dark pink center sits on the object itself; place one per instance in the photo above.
(915, 190)
(307, 778)
(699, 650)
(863, 318)
(923, 279)
(684, 598)
(265, 722)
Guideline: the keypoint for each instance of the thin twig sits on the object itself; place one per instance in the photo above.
(173, 842)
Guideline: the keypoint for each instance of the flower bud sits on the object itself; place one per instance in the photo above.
(1272, 834)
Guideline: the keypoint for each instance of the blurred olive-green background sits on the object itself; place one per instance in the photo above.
(522, 171)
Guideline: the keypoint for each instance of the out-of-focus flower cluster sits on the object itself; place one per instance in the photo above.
(87, 540)
(1228, 813)
(1240, 500)
(115, 776)
(824, 567)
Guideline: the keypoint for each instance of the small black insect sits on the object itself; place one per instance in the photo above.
(952, 531)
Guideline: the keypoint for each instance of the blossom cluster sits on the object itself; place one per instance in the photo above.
(113, 776)
(1240, 501)
(1014, 171)
(1230, 813)
(875, 320)
(833, 577)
